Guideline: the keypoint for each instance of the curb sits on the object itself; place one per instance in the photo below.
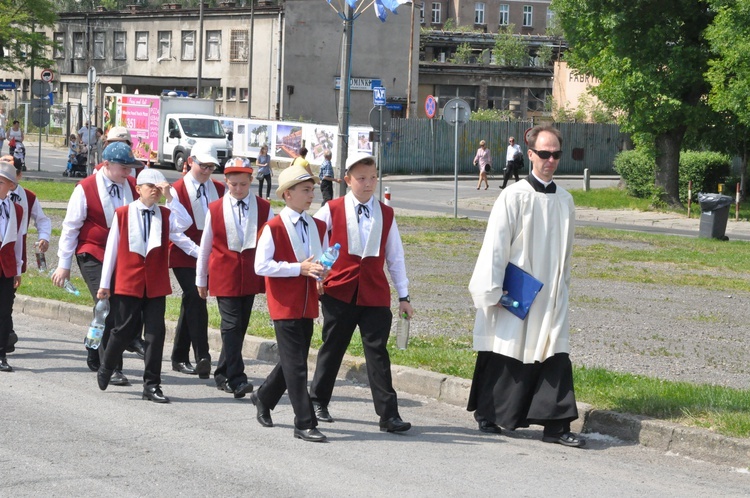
(699, 444)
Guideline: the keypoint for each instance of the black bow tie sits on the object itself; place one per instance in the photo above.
(241, 206)
(304, 227)
(147, 214)
(201, 191)
(14, 197)
(4, 213)
(114, 190)
(363, 209)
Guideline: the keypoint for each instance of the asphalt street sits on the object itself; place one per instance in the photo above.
(65, 437)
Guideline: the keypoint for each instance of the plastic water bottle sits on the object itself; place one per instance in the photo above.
(68, 286)
(96, 329)
(402, 332)
(509, 302)
(41, 260)
(329, 257)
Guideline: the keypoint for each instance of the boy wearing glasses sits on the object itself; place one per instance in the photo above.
(523, 373)
(513, 161)
(195, 191)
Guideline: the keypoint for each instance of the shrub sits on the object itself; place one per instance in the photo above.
(705, 169)
(638, 169)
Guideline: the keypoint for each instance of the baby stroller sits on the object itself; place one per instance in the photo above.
(19, 156)
(76, 165)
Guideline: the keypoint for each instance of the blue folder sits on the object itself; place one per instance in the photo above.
(522, 287)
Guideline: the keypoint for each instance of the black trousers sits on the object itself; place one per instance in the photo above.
(91, 271)
(235, 316)
(7, 296)
(192, 325)
(510, 169)
(340, 320)
(293, 339)
(326, 188)
(267, 180)
(130, 312)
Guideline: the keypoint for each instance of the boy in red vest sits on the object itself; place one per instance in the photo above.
(10, 256)
(195, 191)
(356, 291)
(137, 254)
(225, 269)
(288, 250)
(91, 209)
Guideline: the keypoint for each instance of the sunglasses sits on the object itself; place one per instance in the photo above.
(545, 154)
(206, 166)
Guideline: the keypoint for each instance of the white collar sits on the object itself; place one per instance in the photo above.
(546, 184)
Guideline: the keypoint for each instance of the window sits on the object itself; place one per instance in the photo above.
(479, 13)
(141, 45)
(504, 15)
(243, 94)
(58, 50)
(238, 46)
(120, 50)
(550, 18)
(436, 11)
(99, 37)
(213, 45)
(421, 13)
(164, 50)
(79, 48)
(528, 12)
(231, 94)
(188, 46)
(220, 93)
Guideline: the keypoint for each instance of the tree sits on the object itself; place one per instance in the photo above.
(509, 49)
(21, 44)
(650, 56)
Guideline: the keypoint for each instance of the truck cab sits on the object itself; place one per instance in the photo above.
(182, 131)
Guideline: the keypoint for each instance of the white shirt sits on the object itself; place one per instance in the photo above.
(74, 218)
(180, 239)
(511, 151)
(42, 223)
(265, 265)
(88, 135)
(6, 204)
(394, 249)
(179, 221)
(207, 242)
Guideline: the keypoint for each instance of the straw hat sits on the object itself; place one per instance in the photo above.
(291, 177)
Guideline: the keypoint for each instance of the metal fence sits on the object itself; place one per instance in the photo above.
(424, 146)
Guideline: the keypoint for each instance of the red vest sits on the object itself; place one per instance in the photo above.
(30, 200)
(138, 276)
(234, 272)
(177, 257)
(290, 298)
(353, 274)
(8, 266)
(92, 238)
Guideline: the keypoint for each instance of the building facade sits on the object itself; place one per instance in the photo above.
(528, 16)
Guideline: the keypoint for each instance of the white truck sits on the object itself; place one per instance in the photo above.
(164, 128)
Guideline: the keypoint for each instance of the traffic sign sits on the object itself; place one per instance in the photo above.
(40, 88)
(456, 112)
(47, 75)
(394, 107)
(375, 118)
(7, 85)
(40, 117)
(430, 106)
(378, 95)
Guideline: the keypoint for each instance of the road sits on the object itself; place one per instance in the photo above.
(64, 437)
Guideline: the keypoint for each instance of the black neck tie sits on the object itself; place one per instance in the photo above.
(147, 214)
(362, 209)
(114, 190)
(14, 197)
(304, 228)
(201, 191)
(241, 206)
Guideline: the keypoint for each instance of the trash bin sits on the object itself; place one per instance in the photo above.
(714, 215)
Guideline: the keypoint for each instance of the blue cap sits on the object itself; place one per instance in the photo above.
(120, 153)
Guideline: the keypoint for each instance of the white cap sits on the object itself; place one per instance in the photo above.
(119, 134)
(150, 175)
(204, 152)
(355, 158)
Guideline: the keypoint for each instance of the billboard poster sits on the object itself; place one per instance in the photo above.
(140, 115)
(288, 140)
(363, 142)
(319, 139)
(258, 133)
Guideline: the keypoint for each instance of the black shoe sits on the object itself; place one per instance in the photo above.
(92, 359)
(203, 368)
(313, 435)
(394, 424)
(154, 394)
(4, 367)
(183, 367)
(12, 340)
(489, 427)
(242, 390)
(321, 412)
(103, 375)
(136, 346)
(567, 439)
(264, 414)
(119, 379)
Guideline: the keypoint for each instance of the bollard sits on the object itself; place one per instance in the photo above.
(387, 196)
(721, 188)
(586, 180)
(737, 204)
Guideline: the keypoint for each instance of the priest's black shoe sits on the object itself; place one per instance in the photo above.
(567, 439)
(243, 389)
(119, 379)
(394, 424)
(264, 414)
(136, 346)
(489, 427)
(154, 394)
(12, 340)
(4, 367)
(183, 367)
(103, 375)
(92, 359)
(321, 412)
(313, 435)
(203, 368)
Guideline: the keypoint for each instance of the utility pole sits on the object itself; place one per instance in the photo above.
(408, 77)
(200, 48)
(250, 61)
(346, 56)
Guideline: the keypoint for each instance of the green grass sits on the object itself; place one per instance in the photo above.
(609, 198)
(50, 191)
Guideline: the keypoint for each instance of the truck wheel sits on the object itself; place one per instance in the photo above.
(179, 161)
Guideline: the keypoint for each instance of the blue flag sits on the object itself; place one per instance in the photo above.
(381, 6)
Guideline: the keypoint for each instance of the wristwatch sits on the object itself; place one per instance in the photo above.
(405, 298)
